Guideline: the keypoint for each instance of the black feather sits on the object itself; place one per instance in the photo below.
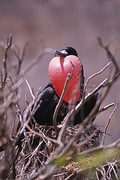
(44, 114)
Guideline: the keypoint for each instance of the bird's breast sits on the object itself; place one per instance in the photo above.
(59, 68)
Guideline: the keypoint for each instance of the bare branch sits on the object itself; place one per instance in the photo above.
(96, 74)
(105, 108)
(109, 54)
(109, 120)
(30, 90)
(7, 46)
(68, 78)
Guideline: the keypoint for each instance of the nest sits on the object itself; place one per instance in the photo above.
(35, 151)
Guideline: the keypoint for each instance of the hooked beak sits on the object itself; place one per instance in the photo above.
(61, 53)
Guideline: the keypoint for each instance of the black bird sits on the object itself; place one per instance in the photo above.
(49, 96)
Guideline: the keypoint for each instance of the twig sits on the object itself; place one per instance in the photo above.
(59, 104)
(61, 132)
(108, 122)
(7, 46)
(96, 74)
(17, 55)
(109, 54)
(30, 90)
(105, 108)
(69, 76)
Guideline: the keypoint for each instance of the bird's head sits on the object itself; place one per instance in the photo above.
(66, 51)
(66, 62)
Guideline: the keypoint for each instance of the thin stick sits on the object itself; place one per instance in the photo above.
(108, 123)
(30, 90)
(105, 108)
(69, 76)
(59, 104)
(96, 74)
(109, 54)
(7, 46)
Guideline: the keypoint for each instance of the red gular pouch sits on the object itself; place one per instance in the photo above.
(58, 70)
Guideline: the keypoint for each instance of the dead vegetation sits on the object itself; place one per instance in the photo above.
(58, 152)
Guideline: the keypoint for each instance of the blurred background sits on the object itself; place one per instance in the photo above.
(58, 23)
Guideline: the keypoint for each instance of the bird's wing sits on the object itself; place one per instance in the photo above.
(86, 109)
(44, 111)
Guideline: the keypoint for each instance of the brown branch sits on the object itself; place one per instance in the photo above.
(105, 108)
(7, 46)
(59, 104)
(68, 78)
(30, 90)
(109, 54)
(109, 120)
(96, 74)
(17, 55)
